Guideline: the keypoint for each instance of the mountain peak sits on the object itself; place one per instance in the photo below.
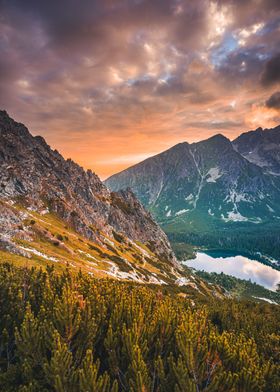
(3, 113)
(261, 147)
(11, 127)
(4, 116)
(44, 180)
(180, 145)
(216, 143)
(218, 138)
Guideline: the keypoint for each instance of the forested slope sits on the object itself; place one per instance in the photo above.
(75, 333)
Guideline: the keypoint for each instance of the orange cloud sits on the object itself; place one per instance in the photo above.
(110, 83)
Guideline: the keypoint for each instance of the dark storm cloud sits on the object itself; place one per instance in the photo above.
(242, 64)
(274, 101)
(137, 70)
(271, 74)
(71, 24)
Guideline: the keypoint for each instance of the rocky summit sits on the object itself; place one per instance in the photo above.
(54, 210)
(261, 147)
(208, 193)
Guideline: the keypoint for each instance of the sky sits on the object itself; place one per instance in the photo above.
(110, 82)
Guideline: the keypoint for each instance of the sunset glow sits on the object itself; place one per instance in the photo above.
(110, 83)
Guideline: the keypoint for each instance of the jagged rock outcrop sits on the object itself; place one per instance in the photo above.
(261, 147)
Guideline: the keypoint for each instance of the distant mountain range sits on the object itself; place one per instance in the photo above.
(215, 192)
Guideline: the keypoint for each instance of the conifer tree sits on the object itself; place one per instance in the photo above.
(77, 334)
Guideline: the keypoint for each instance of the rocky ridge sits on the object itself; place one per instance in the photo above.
(261, 147)
(35, 179)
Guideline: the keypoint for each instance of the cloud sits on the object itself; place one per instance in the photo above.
(271, 73)
(103, 79)
(218, 124)
(274, 101)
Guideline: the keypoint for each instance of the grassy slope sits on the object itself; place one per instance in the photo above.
(61, 246)
(53, 239)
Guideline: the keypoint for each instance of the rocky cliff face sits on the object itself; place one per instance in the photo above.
(40, 179)
(261, 147)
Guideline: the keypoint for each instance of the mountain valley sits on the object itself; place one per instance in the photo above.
(210, 194)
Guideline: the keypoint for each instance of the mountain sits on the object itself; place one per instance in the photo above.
(208, 193)
(53, 211)
(261, 147)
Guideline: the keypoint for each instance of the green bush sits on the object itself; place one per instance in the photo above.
(74, 333)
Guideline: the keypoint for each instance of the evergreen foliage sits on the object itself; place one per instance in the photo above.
(66, 333)
(246, 240)
(240, 288)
